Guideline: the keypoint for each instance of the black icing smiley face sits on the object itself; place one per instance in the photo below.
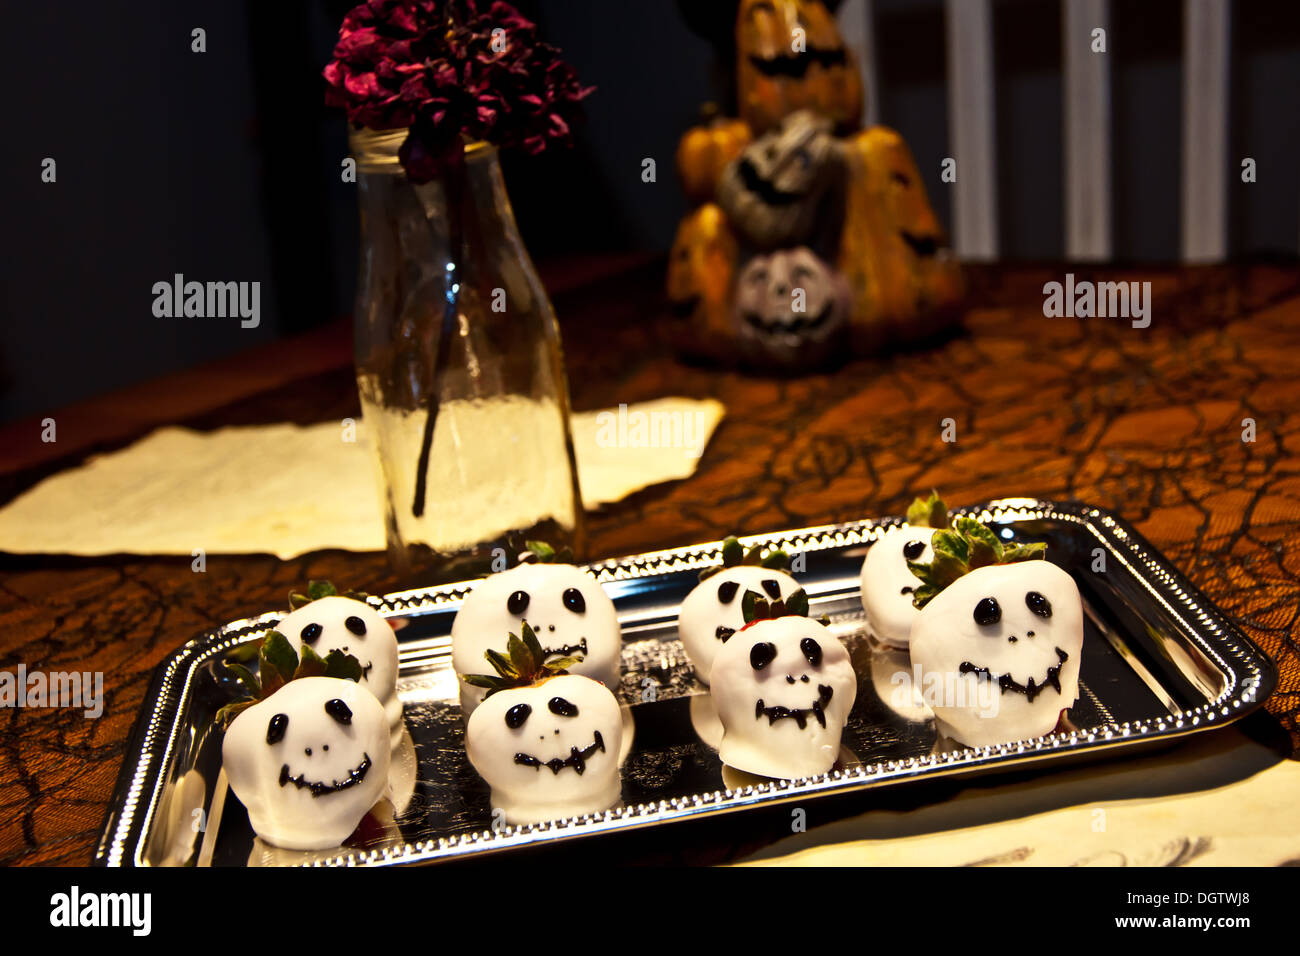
(565, 608)
(517, 719)
(727, 592)
(988, 616)
(316, 741)
(311, 633)
(914, 549)
(351, 627)
(763, 654)
(574, 603)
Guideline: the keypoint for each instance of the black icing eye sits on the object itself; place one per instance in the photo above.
(988, 611)
(727, 591)
(517, 603)
(723, 633)
(574, 601)
(276, 728)
(913, 550)
(1038, 604)
(311, 633)
(762, 654)
(516, 715)
(355, 625)
(558, 705)
(773, 588)
(811, 650)
(339, 711)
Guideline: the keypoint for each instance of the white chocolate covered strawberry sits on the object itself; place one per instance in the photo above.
(309, 758)
(712, 612)
(1000, 632)
(887, 581)
(325, 620)
(565, 607)
(546, 742)
(783, 686)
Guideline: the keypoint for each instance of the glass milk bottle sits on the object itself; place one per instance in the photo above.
(460, 370)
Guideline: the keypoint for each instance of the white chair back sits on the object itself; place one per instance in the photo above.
(1087, 124)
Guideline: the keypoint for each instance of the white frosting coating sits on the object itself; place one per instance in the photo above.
(972, 707)
(890, 612)
(587, 733)
(287, 814)
(754, 741)
(703, 612)
(375, 648)
(485, 621)
(704, 719)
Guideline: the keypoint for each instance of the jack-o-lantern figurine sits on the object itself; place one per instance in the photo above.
(792, 186)
(781, 189)
(701, 266)
(705, 150)
(904, 281)
(790, 56)
(790, 310)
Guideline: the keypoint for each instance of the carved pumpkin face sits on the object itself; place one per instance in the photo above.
(790, 309)
(893, 252)
(704, 152)
(789, 56)
(701, 266)
(776, 188)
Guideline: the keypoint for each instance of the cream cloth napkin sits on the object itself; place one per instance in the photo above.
(287, 490)
(1253, 820)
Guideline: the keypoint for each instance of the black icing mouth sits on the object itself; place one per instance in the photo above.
(764, 190)
(1008, 683)
(564, 650)
(796, 324)
(800, 716)
(319, 788)
(577, 759)
(924, 246)
(796, 64)
(365, 671)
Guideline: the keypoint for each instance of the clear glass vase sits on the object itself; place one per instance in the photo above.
(459, 367)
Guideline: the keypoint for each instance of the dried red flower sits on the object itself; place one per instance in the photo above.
(443, 70)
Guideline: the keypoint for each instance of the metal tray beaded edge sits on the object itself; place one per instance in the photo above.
(1250, 677)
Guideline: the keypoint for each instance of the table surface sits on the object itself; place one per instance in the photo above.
(1146, 422)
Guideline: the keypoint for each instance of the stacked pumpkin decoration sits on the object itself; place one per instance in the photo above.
(809, 238)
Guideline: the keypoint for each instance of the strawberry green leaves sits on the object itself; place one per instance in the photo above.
(735, 555)
(755, 607)
(320, 589)
(523, 664)
(540, 552)
(958, 551)
(277, 664)
(928, 512)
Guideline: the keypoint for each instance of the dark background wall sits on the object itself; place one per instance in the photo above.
(224, 165)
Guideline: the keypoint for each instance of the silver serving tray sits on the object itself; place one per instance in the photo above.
(1159, 661)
